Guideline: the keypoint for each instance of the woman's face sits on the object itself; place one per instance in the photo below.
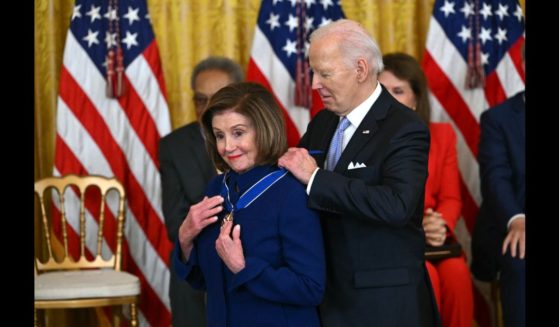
(236, 140)
(400, 89)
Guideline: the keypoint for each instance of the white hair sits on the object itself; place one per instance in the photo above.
(355, 43)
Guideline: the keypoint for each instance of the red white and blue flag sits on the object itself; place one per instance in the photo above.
(113, 128)
(472, 62)
(278, 57)
(479, 41)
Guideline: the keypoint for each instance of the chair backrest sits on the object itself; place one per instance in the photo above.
(88, 215)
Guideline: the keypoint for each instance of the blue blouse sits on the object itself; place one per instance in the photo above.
(284, 276)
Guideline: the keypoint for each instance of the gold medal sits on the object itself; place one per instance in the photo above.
(228, 217)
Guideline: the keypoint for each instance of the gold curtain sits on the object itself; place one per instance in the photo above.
(190, 30)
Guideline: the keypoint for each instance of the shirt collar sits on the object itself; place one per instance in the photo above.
(249, 178)
(357, 115)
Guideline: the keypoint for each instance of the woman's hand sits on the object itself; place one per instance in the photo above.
(435, 228)
(199, 216)
(229, 247)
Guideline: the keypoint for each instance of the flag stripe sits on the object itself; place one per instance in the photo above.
(508, 72)
(144, 253)
(443, 52)
(278, 44)
(151, 290)
(79, 104)
(72, 210)
(140, 120)
(140, 163)
(469, 206)
(255, 75)
(515, 55)
(450, 99)
(263, 56)
(451, 54)
(494, 92)
(148, 88)
(468, 166)
(162, 118)
(118, 135)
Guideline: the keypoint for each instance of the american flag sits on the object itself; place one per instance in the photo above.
(118, 136)
(472, 62)
(455, 28)
(279, 56)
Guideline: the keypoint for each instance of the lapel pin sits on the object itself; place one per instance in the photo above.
(366, 131)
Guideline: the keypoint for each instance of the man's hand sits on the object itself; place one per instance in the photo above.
(516, 238)
(299, 162)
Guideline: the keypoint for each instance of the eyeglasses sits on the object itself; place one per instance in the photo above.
(200, 100)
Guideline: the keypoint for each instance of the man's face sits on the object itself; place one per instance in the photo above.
(206, 84)
(334, 80)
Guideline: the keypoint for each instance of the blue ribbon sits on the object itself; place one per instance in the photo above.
(253, 192)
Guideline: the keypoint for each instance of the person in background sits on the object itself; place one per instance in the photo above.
(364, 161)
(499, 237)
(185, 170)
(252, 242)
(404, 79)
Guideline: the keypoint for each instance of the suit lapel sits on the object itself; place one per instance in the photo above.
(329, 129)
(519, 109)
(365, 131)
(203, 161)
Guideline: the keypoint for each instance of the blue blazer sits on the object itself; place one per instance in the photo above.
(283, 281)
(502, 166)
(372, 219)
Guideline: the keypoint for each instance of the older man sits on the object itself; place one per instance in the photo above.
(367, 177)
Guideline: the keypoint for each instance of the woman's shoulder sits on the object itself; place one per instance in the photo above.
(288, 187)
(293, 190)
(290, 181)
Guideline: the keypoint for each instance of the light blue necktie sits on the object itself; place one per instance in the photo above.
(335, 149)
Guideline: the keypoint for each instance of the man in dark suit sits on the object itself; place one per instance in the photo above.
(185, 171)
(499, 236)
(371, 200)
(498, 240)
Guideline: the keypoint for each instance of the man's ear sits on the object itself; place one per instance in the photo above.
(362, 70)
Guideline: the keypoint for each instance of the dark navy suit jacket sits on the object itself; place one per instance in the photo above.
(372, 219)
(283, 281)
(502, 165)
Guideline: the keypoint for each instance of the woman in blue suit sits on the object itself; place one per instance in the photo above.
(272, 273)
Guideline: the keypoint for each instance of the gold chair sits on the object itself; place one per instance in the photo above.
(497, 305)
(91, 280)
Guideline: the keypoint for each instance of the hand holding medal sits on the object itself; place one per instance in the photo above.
(199, 216)
(229, 247)
(228, 217)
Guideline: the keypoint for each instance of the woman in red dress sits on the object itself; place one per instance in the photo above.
(451, 279)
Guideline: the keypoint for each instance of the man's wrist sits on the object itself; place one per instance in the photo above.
(309, 185)
(515, 217)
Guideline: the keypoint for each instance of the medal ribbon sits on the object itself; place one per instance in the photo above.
(253, 193)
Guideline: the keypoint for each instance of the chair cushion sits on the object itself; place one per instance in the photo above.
(61, 285)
